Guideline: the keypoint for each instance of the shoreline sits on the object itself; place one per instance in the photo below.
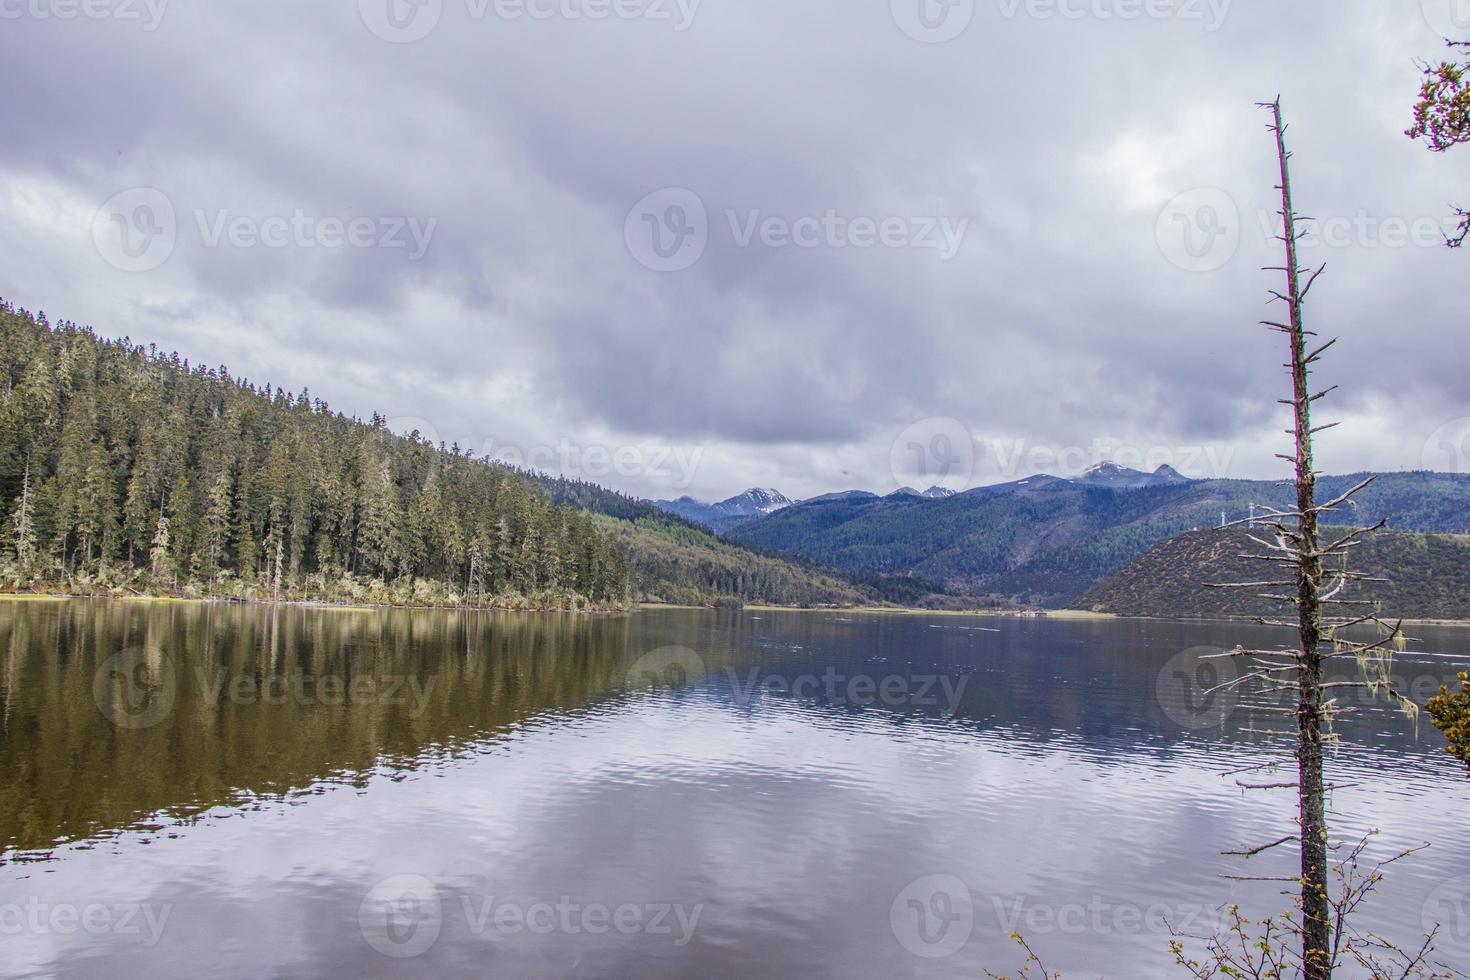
(633, 607)
(1066, 615)
(325, 604)
(1062, 614)
(1250, 621)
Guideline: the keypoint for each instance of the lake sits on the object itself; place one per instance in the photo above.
(221, 791)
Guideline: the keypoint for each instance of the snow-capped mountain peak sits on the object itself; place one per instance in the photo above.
(739, 509)
(1110, 474)
(760, 498)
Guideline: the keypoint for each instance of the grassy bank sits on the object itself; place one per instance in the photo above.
(344, 592)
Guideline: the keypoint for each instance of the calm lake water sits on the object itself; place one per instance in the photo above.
(213, 791)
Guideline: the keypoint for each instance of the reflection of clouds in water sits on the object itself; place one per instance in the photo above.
(794, 823)
(794, 827)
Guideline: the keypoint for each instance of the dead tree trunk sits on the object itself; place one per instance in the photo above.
(1319, 580)
(1316, 904)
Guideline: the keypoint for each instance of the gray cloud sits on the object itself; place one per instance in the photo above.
(527, 322)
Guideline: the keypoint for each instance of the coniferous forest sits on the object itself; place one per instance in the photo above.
(127, 470)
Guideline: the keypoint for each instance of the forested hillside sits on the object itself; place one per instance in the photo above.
(123, 468)
(126, 470)
(1428, 577)
(672, 559)
(1047, 540)
(690, 566)
(675, 559)
(600, 500)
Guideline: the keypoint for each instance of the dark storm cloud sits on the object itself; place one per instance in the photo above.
(1046, 139)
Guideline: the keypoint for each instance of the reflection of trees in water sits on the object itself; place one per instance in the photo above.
(1049, 684)
(264, 700)
(1037, 687)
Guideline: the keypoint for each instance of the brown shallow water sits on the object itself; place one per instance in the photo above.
(201, 791)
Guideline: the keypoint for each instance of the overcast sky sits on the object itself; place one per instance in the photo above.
(692, 246)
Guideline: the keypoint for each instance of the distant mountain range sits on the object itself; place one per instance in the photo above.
(1122, 478)
(727, 514)
(758, 502)
(1046, 540)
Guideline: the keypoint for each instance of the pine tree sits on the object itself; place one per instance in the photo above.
(162, 560)
(25, 533)
(116, 459)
